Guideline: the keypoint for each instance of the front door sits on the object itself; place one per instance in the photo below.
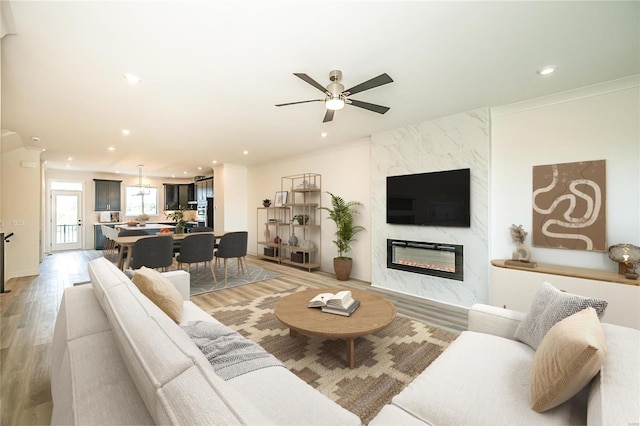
(66, 220)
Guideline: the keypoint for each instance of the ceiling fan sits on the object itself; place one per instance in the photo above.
(335, 97)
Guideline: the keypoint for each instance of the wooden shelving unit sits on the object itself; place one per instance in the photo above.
(276, 221)
(303, 200)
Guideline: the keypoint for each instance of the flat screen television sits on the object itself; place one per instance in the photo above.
(430, 199)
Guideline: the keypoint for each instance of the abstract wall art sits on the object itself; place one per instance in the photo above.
(569, 206)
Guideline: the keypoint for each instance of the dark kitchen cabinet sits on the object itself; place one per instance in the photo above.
(204, 189)
(107, 195)
(176, 196)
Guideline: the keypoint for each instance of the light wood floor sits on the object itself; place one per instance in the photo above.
(28, 313)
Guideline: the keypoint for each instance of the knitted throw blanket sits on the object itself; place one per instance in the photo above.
(230, 353)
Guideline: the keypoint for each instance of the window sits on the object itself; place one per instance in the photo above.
(141, 200)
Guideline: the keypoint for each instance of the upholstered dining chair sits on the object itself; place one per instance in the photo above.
(153, 252)
(131, 233)
(196, 248)
(233, 245)
(201, 229)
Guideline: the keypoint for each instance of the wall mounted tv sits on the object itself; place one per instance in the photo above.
(430, 199)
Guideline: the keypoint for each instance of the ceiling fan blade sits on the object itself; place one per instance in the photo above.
(371, 107)
(328, 116)
(370, 84)
(301, 102)
(311, 81)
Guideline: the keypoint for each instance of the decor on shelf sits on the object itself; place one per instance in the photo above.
(277, 240)
(569, 206)
(293, 240)
(178, 216)
(342, 214)
(266, 202)
(521, 252)
(281, 198)
(302, 219)
(628, 258)
(267, 232)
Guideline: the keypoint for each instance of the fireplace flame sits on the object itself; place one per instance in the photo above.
(431, 266)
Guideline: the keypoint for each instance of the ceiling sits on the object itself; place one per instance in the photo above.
(212, 72)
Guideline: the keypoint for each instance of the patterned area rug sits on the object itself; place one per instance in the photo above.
(386, 361)
(202, 280)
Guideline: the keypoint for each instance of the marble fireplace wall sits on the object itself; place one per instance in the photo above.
(455, 142)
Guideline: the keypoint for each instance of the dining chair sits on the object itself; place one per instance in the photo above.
(197, 248)
(153, 252)
(109, 245)
(201, 229)
(130, 233)
(233, 245)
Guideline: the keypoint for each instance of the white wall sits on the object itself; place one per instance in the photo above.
(230, 198)
(21, 203)
(454, 142)
(345, 171)
(591, 123)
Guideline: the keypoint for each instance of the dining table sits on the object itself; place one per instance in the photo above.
(126, 244)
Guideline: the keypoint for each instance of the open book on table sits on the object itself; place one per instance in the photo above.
(340, 300)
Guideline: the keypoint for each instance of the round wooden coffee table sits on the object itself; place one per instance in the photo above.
(374, 313)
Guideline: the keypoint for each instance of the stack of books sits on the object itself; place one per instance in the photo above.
(341, 303)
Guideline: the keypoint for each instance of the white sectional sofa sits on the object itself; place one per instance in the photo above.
(118, 359)
(482, 378)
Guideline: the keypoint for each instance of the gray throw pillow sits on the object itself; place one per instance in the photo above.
(549, 306)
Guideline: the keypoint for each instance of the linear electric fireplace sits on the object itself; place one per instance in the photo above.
(437, 259)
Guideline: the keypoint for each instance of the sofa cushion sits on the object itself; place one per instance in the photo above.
(94, 386)
(481, 379)
(569, 356)
(549, 306)
(160, 291)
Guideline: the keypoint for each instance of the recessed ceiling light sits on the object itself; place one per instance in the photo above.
(111, 148)
(184, 173)
(44, 149)
(117, 172)
(199, 168)
(173, 176)
(323, 134)
(131, 78)
(126, 132)
(245, 152)
(68, 165)
(215, 162)
(35, 139)
(69, 158)
(547, 70)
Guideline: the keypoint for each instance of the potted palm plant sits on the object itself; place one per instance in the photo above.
(342, 213)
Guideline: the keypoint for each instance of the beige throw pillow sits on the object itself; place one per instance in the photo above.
(160, 291)
(569, 356)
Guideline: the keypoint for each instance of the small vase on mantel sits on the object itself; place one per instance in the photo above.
(267, 233)
(521, 253)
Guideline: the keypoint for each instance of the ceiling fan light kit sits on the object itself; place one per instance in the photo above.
(336, 97)
(334, 103)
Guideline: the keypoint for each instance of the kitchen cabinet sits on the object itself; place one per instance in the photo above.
(107, 195)
(204, 189)
(177, 196)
